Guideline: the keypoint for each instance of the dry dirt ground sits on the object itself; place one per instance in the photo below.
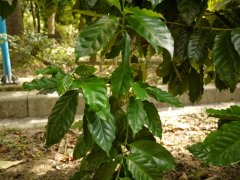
(57, 163)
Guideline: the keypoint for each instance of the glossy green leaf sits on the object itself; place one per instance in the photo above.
(189, 10)
(197, 46)
(142, 168)
(224, 144)
(153, 121)
(142, 12)
(195, 86)
(235, 37)
(226, 60)
(232, 113)
(103, 131)
(85, 70)
(95, 95)
(181, 39)
(163, 96)
(51, 70)
(122, 78)
(42, 83)
(136, 115)
(83, 175)
(64, 84)
(116, 3)
(153, 30)
(62, 117)
(155, 152)
(139, 91)
(96, 36)
(106, 171)
(199, 151)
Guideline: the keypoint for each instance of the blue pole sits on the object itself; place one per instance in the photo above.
(7, 71)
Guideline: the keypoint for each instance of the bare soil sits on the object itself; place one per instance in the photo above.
(57, 163)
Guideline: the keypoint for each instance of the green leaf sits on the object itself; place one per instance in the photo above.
(155, 152)
(189, 10)
(126, 51)
(51, 70)
(87, 13)
(103, 131)
(142, 12)
(64, 84)
(195, 86)
(62, 117)
(153, 121)
(197, 46)
(199, 151)
(84, 142)
(93, 160)
(82, 146)
(95, 95)
(42, 83)
(139, 91)
(136, 115)
(116, 3)
(85, 70)
(232, 113)
(144, 134)
(122, 78)
(96, 36)
(153, 30)
(224, 144)
(226, 60)
(181, 39)
(106, 171)
(163, 96)
(142, 168)
(235, 37)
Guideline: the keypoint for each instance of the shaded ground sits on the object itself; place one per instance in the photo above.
(57, 163)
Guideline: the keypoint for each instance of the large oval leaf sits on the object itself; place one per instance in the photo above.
(95, 95)
(232, 113)
(62, 117)
(136, 115)
(159, 155)
(235, 37)
(103, 132)
(153, 30)
(64, 84)
(142, 167)
(96, 36)
(153, 121)
(226, 60)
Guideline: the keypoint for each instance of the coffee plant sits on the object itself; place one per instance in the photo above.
(117, 137)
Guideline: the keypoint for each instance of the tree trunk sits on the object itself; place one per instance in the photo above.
(15, 22)
(51, 25)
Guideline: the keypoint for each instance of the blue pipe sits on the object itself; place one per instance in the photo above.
(7, 71)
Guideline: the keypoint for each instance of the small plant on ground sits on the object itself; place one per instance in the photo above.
(117, 138)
